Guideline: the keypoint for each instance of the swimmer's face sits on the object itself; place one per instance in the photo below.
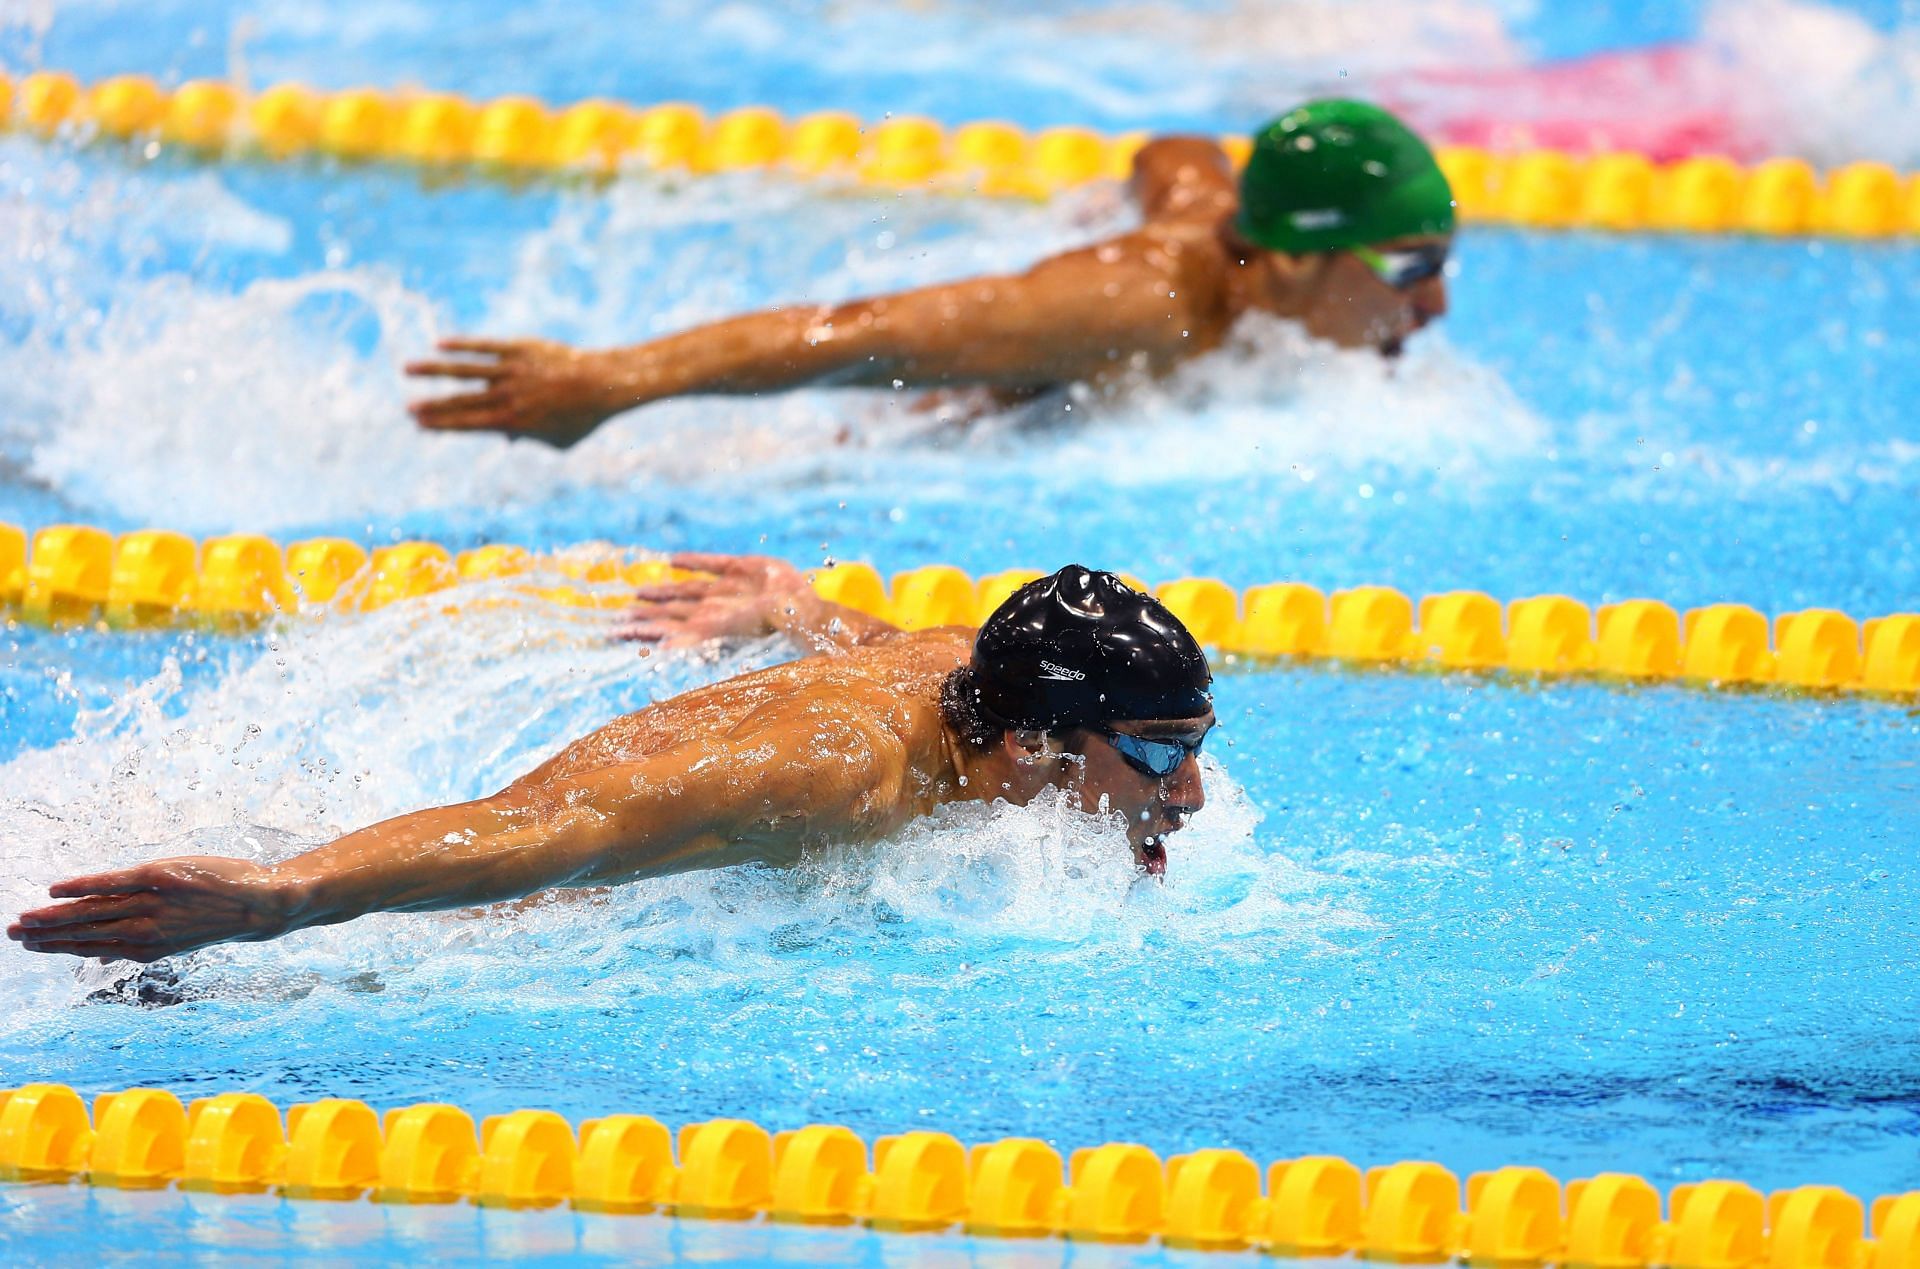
(1339, 297)
(1153, 807)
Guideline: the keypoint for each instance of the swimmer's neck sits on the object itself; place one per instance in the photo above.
(1260, 280)
(969, 780)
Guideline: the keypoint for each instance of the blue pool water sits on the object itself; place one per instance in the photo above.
(1461, 918)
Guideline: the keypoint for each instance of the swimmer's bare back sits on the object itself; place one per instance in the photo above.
(843, 745)
(893, 684)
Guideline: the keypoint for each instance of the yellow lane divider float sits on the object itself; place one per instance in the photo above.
(80, 575)
(76, 574)
(824, 1174)
(1539, 188)
(1461, 630)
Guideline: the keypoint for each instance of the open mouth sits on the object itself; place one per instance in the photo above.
(1153, 857)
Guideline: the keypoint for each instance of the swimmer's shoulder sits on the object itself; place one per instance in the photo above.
(941, 649)
(906, 667)
(1184, 179)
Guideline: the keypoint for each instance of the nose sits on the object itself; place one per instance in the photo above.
(1184, 791)
(1429, 300)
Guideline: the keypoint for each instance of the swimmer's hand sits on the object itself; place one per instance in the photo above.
(157, 910)
(743, 596)
(737, 596)
(527, 387)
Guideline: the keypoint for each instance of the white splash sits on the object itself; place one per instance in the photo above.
(1817, 81)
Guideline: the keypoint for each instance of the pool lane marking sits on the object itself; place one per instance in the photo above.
(517, 137)
(927, 1181)
(79, 575)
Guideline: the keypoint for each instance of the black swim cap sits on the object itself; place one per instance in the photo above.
(1083, 647)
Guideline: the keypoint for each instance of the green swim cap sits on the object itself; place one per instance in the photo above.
(1334, 174)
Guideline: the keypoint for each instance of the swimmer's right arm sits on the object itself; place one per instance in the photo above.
(552, 392)
(756, 797)
(1070, 317)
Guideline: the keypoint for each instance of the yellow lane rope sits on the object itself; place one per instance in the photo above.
(824, 1174)
(78, 575)
(1538, 188)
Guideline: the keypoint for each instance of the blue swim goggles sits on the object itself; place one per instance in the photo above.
(1404, 269)
(1154, 757)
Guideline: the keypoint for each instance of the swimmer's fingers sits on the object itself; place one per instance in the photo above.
(666, 634)
(472, 419)
(643, 632)
(675, 611)
(488, 370)
(436, 408)
(740, 566)
(119, 928)
(133, 930)
(102, 950)
(489, 347)
(120, 881)
(80, 911)
(690, 588)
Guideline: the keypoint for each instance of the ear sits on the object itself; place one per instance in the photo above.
(1299, 270)
(1289, 281)
(1028, 746)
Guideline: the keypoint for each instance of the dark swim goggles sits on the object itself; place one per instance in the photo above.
(1153, 757)
(1403, 269)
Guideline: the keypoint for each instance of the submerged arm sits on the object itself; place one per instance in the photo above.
(758, 796)
(746, 596)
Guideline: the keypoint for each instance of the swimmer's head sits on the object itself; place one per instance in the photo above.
(1080, 682)
(1361, 215)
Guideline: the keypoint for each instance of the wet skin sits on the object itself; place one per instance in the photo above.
(1142, 302)
(843, 745)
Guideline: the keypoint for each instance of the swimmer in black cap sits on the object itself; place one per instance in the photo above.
(1076, 683)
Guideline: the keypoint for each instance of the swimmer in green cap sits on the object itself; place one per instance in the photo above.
(1076, 683)
(1341, 221)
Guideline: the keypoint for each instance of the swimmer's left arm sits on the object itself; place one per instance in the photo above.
(744, 596)
(757, 797)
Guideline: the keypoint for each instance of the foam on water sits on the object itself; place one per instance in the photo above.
(1818, 81)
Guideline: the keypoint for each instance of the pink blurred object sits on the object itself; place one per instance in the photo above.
(1667, 102)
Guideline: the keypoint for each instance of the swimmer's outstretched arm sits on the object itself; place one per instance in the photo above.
(794, 774)
(1072, 317)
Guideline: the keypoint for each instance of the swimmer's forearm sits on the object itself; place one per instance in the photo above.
(445, 857)
(994, 331)
(740, 356)
(495, 850)
(806, 618)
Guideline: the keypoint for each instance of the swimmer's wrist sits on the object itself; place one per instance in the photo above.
(619, 376)
(297, 899)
